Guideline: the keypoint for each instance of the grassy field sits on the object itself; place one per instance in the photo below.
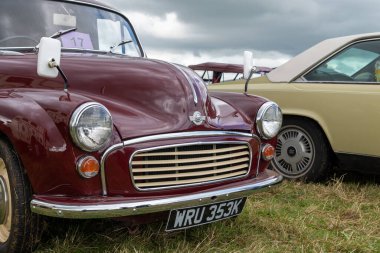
(342, 215)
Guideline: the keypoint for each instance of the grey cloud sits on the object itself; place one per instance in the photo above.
(288, 27)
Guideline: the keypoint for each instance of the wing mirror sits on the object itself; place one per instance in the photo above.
(248, 63)
(49, 56)
(249, 69)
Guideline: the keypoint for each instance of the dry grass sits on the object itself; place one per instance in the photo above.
(338, 216)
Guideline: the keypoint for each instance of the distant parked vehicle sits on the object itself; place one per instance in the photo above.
(330, 98)
(213, 72)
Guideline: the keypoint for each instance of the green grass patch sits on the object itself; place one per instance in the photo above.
(338, 216)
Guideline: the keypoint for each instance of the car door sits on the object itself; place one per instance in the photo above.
(345, 91)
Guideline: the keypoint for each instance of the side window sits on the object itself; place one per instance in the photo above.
(357, 63)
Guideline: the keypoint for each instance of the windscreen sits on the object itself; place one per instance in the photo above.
(23, 23)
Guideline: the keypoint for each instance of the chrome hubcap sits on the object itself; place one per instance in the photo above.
(5, 204)
(294, 152)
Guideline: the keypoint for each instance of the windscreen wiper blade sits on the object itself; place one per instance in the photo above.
(57, 35)
(112, 48)
(60, 33)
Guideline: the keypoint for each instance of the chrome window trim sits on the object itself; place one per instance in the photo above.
(160, 137)
(17, 48)
(193, 144)
(323, 60)
(22, 50)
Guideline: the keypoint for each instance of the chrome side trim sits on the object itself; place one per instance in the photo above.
(161, 137)
(133, 207)
(192, 144)
(357, 154)
(102, 165)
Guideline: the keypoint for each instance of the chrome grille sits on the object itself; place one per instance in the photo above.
(189, 164)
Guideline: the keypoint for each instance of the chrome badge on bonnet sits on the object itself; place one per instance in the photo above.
(197, 118)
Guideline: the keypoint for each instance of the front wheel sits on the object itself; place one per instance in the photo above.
(302, 151)
(18, 226)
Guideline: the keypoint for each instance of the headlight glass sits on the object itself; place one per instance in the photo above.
(269, 120)
(91, 126)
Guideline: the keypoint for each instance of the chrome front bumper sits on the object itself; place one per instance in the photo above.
(109, 208)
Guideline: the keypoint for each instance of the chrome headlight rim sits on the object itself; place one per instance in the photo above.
(74, 120)
(259, 119)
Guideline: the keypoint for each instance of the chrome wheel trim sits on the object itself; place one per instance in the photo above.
(5, 201)
(295, 152)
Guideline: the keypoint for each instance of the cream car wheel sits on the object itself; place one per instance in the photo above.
(295, 152)
(302, 151)
(5, 204)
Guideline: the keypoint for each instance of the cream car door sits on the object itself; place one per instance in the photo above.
(345, 91)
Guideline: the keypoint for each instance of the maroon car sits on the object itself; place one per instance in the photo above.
(113, 134)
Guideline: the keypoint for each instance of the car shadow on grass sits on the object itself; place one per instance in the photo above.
(355, 177)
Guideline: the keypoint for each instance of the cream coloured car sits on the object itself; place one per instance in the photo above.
(330, 99)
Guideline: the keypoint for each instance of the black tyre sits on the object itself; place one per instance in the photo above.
(19, 228)
(302, 151)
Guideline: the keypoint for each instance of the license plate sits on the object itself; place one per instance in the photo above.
(199, 215)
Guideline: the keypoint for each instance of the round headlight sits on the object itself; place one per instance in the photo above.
(91, 126)
(269, 120)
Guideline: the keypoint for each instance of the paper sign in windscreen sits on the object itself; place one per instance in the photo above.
(77, 40)
(64, 20)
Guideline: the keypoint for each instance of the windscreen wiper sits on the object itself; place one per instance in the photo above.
(60, 33)
(57, 35)
(123, 42)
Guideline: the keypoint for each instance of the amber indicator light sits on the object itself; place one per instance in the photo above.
(267, 152)
(88, 167)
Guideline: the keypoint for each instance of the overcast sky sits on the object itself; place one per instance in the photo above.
(195, 31)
